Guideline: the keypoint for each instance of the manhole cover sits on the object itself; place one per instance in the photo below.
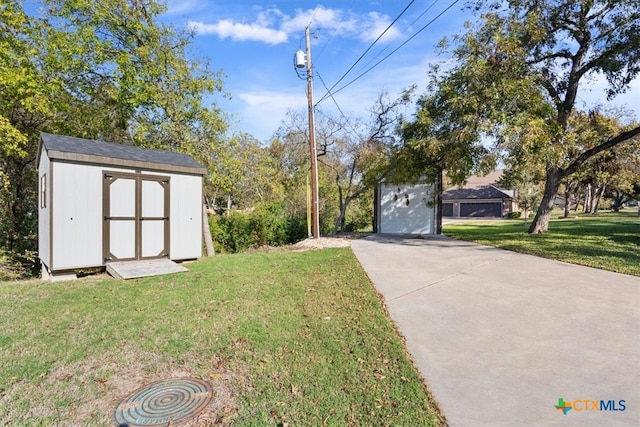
(172, 402)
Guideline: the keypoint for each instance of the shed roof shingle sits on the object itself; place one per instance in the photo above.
(92, 151)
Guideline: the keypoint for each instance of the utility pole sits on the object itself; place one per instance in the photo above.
(315, 229)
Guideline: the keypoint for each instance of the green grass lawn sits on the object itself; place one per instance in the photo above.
(609, 241)
(296, 338)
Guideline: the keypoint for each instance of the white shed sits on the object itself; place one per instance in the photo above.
(406, 209)
(102, 202)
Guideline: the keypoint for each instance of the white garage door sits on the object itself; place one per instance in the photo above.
(407, 209)
(481, 209)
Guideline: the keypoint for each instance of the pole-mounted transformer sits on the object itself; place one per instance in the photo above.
(299, 60)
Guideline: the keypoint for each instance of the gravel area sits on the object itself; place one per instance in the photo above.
(321, 243)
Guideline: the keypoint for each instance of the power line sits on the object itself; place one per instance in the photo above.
(366, 51)
(408, 26)
(386, 57)
(315, 11)
(423, 13)
(335, 32)
(346, 119)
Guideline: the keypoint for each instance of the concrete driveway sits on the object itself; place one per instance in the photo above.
(500, 337)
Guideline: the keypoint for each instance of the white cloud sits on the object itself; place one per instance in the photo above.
(273, 99)
(240, 32)
(175, 7)
(263, 111)
(375, 25)
(273, 27)
(327, 20)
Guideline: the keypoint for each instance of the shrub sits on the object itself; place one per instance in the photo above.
(296, 228)
(230, 233)
(514, 215)
(18, 266)
(266, 225)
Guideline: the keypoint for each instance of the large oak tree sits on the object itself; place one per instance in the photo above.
(106, 70)
(515, 81)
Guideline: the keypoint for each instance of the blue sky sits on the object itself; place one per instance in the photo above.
(254, 42)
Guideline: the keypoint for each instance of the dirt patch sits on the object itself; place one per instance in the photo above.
(87, 392)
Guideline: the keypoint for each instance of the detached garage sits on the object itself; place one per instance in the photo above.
(481, 196)
(102, 202)
(406, 209)
(486, 201)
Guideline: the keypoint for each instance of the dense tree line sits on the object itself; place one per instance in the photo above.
(507, 93)
(103, 70)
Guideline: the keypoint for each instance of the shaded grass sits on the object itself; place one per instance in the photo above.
(297, 338)
(608, 241)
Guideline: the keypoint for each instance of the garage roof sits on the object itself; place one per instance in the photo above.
(108, 153)
(486, 192)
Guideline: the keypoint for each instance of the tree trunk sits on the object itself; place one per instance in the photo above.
(376, 208)
(593, 198)
(214, 198)
(206, 231)
(617, 201)
(540, 223)
(566, 203)
(586, 206)
(599, 195)
(341, 221)
(439, 186)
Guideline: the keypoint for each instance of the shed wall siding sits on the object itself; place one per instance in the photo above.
(77, 216)
(405, 209)
(44, 213)
(186, 217)
(73, 217)
(77, 199)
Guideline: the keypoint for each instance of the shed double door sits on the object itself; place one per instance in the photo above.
(136, 216)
